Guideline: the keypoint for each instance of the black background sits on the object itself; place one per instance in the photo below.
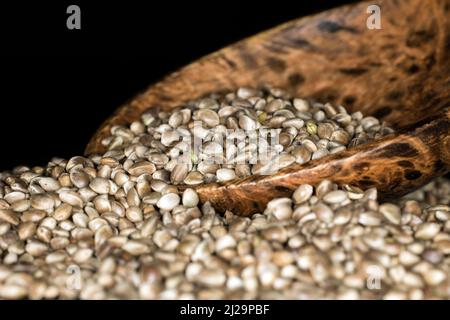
(58, 85)
(298, 310)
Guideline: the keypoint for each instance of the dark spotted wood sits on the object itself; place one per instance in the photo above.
(400, 74)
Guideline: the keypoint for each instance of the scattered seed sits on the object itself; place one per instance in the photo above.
(391, 212)
(190, 198)
(427, 231)
(100, 185)
(337, 196)
(9, 216)
(225, 174)
(168, 201)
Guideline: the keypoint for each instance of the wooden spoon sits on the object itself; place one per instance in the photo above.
(400, 74)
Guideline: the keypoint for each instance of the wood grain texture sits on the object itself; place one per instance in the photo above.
(400, 74)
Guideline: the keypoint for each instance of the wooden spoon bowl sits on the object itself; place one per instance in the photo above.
(400, 74)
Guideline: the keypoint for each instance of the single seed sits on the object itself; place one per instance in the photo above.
(63, 212)
(72, 198)
(49, 184)
(42, 202)
(190, 198)
(179, 173)
(209, 117)
(427, 231)
(391, 212)
(134, 214)
(135, 248)
(100, 185)
(142, 167)
(9, 216)
(168, 201)
(303, 193)
(225, 174)
(337, 196)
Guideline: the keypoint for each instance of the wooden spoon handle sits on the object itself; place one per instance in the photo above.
(395, 165)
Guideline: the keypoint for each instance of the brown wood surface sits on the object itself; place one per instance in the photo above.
(400, 74)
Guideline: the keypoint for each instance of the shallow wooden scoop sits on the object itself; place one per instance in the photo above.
(400, 74)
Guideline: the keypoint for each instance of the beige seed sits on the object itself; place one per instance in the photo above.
(325, 130)
(21, 205)
(319, 154)
(302, 154)
(169, 137)
(274, 105)
(80, 219)
(391, 212)
(407, 258)
(190, 198)
(337, 196)
(168, 201)
(9, 216)
(225, 242)
(301, 104)
(63, 212)
(135, 247)
(342, 216)
(434, 277)
(282, 258)
(12, 291)
(323, 188)
(209, 117)
(100, 185)
(323, 212)
(79, 178)
(161, 237)
(212, 149)
(211, 278)
(175, 120)
(36, 248)
(282, 212)
(58, 243)
(134, 214)
(246, 123)
(14, 196)
(179, 173)
(55, 257)
(225, 174)
(26, 230)
(49, 184)
(42, 202)
(443, 246)
(427, 231)
(83, 255)
(275, 233)
(303, 193)
(72, 198)
(193, 178)
(369, 219)
(142, 167)
(340, 136)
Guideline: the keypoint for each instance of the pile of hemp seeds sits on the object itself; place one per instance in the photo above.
(115, 226)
